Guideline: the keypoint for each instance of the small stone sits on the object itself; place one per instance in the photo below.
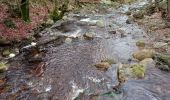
(112, 32)
(3, 66)
(128, 13)
(100, 23)
(11, 55)
(110, 61)
(123, 35)
(64, 17)
(142, 54)
(129, 20)
(103, 65)
(33, 44)
(6, 52)
(4, 41)
(88, 35)
(138, 15)
(50, 22)
(68, 40)
(140, 43)
(148, 62)
(159, 44)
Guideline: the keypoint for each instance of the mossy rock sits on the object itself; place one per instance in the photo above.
(6, 52)
(142, 54)
(140, 43)
(165, 59)
(138, 15)
(3, 66)
(110, 61)
(138, 71)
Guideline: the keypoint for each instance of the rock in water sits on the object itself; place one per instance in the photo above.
(148, 62)
(89, 35)
(142, 54)
(3, 66)
(140, 43)
(138, 71)
(100, 23)
(68, 40)
(102, 65)
(138, 15)
(6, 52)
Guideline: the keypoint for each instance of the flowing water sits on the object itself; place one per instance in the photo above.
(66, 70)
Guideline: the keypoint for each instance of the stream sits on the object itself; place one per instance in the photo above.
(61, 66)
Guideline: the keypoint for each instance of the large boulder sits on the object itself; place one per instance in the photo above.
(142, 54)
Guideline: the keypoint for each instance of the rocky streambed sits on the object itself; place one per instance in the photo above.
(88, 57)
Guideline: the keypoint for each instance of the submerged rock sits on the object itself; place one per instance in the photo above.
(89, 35)
(100, 23)
(68, 40)
(102, 65)
(142, 54)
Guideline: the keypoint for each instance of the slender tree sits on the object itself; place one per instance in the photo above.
(25, 10)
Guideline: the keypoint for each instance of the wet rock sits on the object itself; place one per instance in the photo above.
(128, 13)
(112, 32)
(6, 52)
(142, 54)
(89, 35)
(110, 61)
(68, 40)
(148, 62)
(138, 15)
(129, 20)
(165, 59)
(49, 22)
(102, 65)
(138, 71)
(100, 23)
(4, 41)
(3, 66)
(159, 44)
(122, 35)
(11, 55)
(140, 43)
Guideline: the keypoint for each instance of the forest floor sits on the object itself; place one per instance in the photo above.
(98, 52)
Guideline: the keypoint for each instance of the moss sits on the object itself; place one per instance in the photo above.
(164, 59)
(9, 23)
(140, 43)
(3, 66)
(110, 61)
(138, 70)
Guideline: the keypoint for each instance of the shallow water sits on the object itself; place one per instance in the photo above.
(67, 70)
